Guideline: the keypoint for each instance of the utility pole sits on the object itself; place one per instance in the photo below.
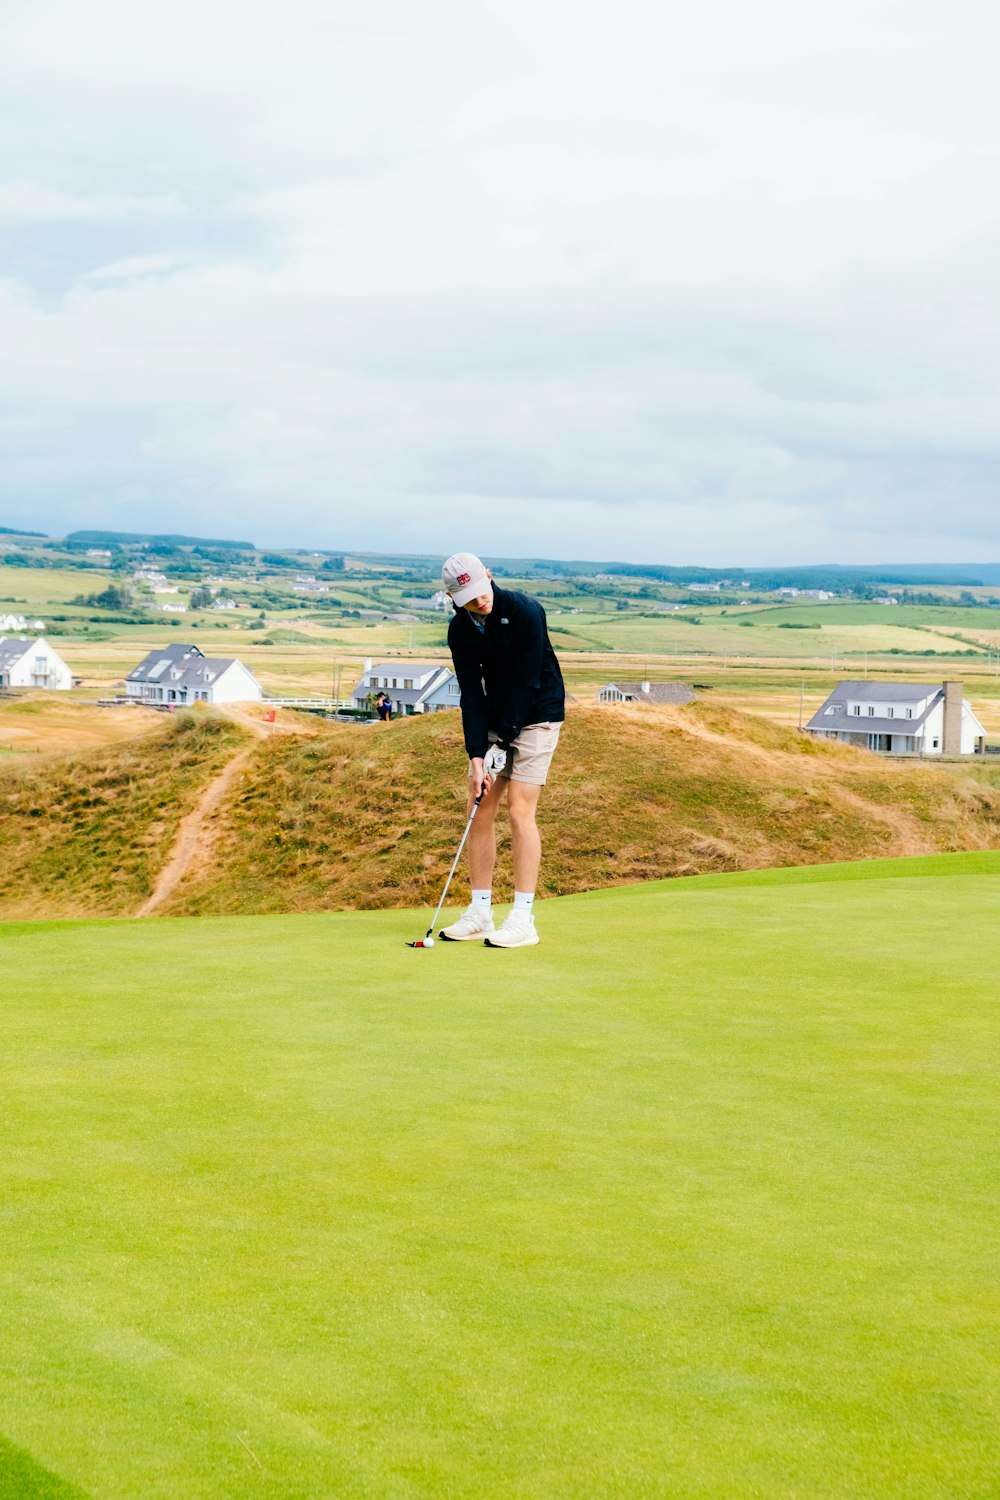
(802, 694)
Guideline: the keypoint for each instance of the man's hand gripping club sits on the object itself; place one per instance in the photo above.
(485, 771)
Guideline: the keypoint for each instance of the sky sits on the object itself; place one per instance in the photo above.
(687, 283)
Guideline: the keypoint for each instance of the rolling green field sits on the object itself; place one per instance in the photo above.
(697, 1198)
(301, 645)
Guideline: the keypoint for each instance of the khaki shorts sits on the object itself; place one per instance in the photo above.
(531, 753)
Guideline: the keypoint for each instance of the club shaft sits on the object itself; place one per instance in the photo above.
(454, 863)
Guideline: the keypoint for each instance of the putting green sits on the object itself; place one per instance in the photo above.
(696, 1198)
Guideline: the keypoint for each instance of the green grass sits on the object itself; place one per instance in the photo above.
(695, 1199)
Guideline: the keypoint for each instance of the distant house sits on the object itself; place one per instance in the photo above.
(438, 600)
(183, 674)
(414, 687)
(19, 624)
(645, 692)
(900, 718)
(32, 664)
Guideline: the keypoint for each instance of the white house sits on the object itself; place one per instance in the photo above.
(25, 663)
(19, 624)
(414, 687)
(900, 718)
(183, 674)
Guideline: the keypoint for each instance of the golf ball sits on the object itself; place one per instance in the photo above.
(428, 942)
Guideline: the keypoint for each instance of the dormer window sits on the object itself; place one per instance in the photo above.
(871, 710)
(909, 713)
(856, 708)
(890, 713)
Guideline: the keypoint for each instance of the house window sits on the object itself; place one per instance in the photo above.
(453, 690)
(909, 713)
(935, 744)
(871, 710)
(373, 682)
(41, 664)
(890, 713)
(407, 683)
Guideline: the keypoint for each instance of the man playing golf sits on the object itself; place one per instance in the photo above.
(513, 706)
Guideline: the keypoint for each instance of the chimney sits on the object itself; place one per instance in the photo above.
(951, 738)
(368, 664)
(644, 686)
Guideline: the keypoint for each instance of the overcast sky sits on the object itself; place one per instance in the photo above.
(686, 282)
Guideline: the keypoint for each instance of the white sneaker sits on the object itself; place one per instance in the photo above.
(517, 932)
(473, 923)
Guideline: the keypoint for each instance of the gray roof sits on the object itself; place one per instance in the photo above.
(885, 692)
(11, 651)
(169, 656)
(204, 670)
(179, 666)
(400, 669)
(659, 692)
(909, 694)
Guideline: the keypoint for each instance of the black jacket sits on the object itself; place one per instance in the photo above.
(508, 672)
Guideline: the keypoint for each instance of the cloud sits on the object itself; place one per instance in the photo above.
(24, 202)
(705, 282)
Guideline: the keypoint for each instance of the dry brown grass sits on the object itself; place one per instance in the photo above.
(85, 835)
(369, 816)
(34, 723)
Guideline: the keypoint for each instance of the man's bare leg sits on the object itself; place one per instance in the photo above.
(526, 842)
(482, 845)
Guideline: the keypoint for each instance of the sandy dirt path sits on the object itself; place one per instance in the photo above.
(193, 842)
(192, 834)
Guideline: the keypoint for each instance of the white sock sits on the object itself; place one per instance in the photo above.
(482, 901)
(523, 900)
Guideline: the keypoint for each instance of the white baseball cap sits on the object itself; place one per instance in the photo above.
(465, 577)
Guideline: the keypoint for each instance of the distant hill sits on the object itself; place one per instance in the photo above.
(136, 538)
(12, 531)
(343, 816)
(839, 576)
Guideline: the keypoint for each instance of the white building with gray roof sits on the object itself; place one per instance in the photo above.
(415, 687)
(179, 674)
(900, 718)
(645, 692)
(28, 663)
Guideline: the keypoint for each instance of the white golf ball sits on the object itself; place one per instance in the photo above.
(428, 942)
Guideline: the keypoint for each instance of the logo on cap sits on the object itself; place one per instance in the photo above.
(463, 579)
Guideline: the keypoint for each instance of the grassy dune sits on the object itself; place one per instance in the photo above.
(87, 834)
(342, 816)
(695, 1199)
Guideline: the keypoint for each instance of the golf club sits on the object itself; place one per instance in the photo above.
(427, 941)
